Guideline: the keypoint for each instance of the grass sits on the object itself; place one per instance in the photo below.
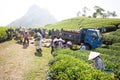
(40, 66)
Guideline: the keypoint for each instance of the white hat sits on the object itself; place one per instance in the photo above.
(61, 40)
(93, 55)
(38, 34)
(69, 43)
(55, 40)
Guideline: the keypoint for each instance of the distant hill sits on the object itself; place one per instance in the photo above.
(35, 16)
(84, 22)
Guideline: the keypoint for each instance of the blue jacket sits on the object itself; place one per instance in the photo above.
(99, 64)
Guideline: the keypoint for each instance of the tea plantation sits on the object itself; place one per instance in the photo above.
(74, 65)
(80, 22)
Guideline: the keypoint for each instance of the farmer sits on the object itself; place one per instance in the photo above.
(60, 42)
(54, 44)
(38, 40)
(103, 29)
(83, 47)
(98, 62)
(26, 37)
(69, 44)
(43, 33)
(10, 33)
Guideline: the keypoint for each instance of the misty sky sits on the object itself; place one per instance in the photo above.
(11, 10)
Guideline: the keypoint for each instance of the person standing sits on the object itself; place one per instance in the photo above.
(43, 33)
(26, 37)
(38, 40)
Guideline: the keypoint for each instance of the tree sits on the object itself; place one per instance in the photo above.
(105, 15)
(113, 14)
(98, 11)
(94, 14)
(85, 9)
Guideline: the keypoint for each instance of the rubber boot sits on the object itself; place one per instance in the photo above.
(37, 50)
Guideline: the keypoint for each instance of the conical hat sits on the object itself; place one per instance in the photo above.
(93, 55)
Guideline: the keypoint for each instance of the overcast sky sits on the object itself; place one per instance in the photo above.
(11, 10)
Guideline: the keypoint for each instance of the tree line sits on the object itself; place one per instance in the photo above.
(99, 12)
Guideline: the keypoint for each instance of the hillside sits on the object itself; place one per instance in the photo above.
(35, 16)
(76, 23)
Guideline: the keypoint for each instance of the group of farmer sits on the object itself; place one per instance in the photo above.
(58, 42)
(22, 35)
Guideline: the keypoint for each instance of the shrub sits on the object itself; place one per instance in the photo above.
(3, 33)
(110, 57)
(70, 68)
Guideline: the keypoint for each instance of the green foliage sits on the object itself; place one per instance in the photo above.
(116, 33)
(77, 54)
(66, 67)
(114, 47)
(2, 33)
(112, 54)
(111, 59)
(113, 36)
(116, 44)
(108, 51)
(84, 22)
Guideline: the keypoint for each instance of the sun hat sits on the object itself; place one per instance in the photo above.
(93, 55)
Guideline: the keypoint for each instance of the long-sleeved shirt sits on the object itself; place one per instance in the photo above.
(99, 64)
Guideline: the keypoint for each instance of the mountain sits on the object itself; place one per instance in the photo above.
(35, 16)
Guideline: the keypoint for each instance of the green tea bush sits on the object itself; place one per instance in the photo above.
(114, 37)
(111, 60)
(117, 32)
(113, 47)
(66, 67)
(3, 33)
(110, 57)
(116, 44)
(84, 22)
(108, 51)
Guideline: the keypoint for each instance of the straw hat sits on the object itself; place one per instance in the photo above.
(93, 55)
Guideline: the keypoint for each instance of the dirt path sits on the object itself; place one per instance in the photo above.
(17, 63)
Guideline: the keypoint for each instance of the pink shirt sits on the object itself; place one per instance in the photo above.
(26, 35)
